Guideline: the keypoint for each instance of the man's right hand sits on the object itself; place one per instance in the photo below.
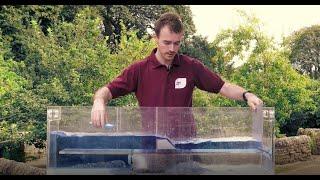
(98, 113)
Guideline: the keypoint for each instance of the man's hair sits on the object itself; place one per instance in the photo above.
(172, 20)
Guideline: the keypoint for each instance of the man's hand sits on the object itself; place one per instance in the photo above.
(98, 113)
(253, 101)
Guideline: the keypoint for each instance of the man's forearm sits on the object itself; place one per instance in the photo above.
(232, 91)
(102, 94)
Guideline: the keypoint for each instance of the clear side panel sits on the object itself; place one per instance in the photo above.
(223, 122)
(179, 123)
(268, 161)
(52, 144)
(53, 119)
(130, 119)
(78, 119)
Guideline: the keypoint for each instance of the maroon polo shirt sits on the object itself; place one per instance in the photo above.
(156, 86)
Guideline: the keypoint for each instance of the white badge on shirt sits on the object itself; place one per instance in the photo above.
(180, 83)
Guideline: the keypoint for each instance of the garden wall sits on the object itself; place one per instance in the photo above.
(292, 149)
(314, 134)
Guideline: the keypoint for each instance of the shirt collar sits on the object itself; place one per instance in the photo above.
(155, 63)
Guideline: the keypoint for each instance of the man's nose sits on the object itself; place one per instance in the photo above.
(171, 47)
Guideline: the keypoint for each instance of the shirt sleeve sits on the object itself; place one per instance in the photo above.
(205, 79)
(125, 83)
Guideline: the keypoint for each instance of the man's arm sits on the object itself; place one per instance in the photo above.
(102, 94)
(98, 112)
(124, 84)
(235, 92)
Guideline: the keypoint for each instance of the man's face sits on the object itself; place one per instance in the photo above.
(168, 43)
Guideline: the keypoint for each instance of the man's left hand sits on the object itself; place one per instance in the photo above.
(253, 101)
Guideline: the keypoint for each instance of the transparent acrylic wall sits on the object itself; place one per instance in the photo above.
(161, 140)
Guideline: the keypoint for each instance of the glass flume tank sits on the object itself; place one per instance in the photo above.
(161, 140)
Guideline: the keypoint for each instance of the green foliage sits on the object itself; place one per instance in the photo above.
(273, 79)
(139, 18)
(59, 55)
(56, 63)
(201, 98)
(13, 137)
(15, 109)
(308, 117)
(14, 95)
(63, 67)
(199, 48)
(129, 49)
(15, 19)
(205, 99)
(234, 46)
(9, 80)
(304, 50)
(267, 72)
(66, 69)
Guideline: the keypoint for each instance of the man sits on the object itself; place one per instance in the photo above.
(166, 78)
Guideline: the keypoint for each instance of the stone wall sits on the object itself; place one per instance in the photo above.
(314, 134)
(10, 167)
(292, 149)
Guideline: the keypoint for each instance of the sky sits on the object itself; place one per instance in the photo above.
(277, 20)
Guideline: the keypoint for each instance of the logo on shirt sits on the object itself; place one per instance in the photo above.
(180, 83)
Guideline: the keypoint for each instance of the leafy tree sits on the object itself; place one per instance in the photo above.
(140, 18)
(21, 115)
(271, 76)
(67, 69)
(304, 46)
(14, 19)
(10, 81)
(231, 46)
(198, 47)
(236, 45)
(265, 70)
(61, 68)
(307, 117)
